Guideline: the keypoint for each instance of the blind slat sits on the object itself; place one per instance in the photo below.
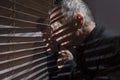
(22, 48)
(24, 21)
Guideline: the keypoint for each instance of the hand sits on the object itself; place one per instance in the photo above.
(51, 44)
(64, 56)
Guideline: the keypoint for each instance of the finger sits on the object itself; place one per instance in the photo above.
(52, 47)
(64, 37)
(59, 32)
(51, 51)
(64, 40)
(46, 35)
(66, 44)
(67, 54)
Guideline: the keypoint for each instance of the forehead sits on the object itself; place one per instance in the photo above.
(55, 9)
(56, 14)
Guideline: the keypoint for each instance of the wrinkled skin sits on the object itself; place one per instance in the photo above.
(63, 35)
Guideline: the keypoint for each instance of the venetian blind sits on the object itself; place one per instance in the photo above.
(22, 49)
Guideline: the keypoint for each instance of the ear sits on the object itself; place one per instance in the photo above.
(80, 20)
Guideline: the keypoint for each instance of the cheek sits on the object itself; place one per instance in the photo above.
(79, 32)
(75, 36)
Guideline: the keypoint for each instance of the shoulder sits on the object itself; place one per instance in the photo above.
(102, 43)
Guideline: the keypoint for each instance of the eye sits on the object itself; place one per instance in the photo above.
(63, 21)
(56, 25)
(59, 23)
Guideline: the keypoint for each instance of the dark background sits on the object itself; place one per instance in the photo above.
(107, 13)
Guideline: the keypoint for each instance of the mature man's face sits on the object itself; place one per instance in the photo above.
(63, 32)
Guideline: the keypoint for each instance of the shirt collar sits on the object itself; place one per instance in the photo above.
(96, 33)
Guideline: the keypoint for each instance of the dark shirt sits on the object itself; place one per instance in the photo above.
(98, 56)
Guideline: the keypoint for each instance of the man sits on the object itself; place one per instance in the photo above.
(96, 53)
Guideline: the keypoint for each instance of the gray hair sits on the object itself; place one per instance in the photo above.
(72, 7)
